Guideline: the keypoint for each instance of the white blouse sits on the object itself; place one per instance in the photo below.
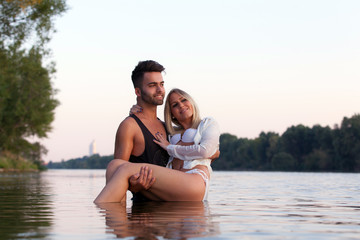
(206, 143)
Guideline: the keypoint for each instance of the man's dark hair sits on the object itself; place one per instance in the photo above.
(137, 75)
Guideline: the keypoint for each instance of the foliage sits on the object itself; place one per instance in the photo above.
(27, 98)
(283, 161)
(299, 148)
(93, 162)
(28, 22)
(7, 162)
(27, 103)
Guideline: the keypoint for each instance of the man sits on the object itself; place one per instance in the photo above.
(134, 137)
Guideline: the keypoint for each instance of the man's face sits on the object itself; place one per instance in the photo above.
(152, 90)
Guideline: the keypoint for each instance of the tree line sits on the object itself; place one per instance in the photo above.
(299, 148)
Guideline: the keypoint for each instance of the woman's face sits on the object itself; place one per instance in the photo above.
(181, 108)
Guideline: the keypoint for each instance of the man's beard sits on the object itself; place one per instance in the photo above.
(151, 99)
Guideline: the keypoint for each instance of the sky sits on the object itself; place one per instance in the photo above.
(252, 65)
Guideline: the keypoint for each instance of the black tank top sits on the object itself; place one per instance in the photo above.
(153, 153)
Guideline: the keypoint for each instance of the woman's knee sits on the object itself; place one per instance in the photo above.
(112, 167)
(114, 164)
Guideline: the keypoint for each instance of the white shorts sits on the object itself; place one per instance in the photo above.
(205, 178)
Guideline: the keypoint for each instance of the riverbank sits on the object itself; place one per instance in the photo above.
(12, 163)
(12, 170)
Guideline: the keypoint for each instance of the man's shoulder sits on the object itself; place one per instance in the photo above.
(129, 120)
(127, 124)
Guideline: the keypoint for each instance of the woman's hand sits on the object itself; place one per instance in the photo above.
(161, 140)
(135, 109)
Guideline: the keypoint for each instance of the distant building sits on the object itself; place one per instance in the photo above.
(92, 148)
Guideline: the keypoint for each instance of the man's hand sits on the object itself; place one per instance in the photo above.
(215, 156)
(143, 180)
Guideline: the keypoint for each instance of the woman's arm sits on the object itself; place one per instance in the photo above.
(207, 147)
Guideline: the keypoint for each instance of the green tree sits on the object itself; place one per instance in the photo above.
(283, 162)
(266, 148)
(347, 144)
(243, 154)
(27, 107)
(226, 159)
(28, 21)
(297, 141)
(323, 137)
(317, 160)
(27, 100)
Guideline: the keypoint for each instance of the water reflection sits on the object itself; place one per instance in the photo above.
(58, 204)
(153, 220)
(25, 209)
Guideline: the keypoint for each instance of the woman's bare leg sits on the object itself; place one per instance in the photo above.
(111, 168)
(170, 185)
(174, 185)
(115, 189)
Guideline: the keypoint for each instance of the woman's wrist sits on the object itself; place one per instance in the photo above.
(170, 149)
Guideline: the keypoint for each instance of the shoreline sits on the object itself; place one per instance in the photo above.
(6, 170)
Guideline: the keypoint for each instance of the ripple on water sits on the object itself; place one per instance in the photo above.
(57, 204)
(25, 210)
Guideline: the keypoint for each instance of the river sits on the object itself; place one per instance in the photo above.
(58, 204)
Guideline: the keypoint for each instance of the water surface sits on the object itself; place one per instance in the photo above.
(57, 204)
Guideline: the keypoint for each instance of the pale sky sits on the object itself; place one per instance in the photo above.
(252, 65)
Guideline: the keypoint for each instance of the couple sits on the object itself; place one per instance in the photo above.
(140, 158)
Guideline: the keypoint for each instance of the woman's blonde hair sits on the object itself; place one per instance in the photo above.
(172, 124)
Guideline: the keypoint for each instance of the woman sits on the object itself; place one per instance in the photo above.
(193, 141)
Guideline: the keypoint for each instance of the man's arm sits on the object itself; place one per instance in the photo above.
(215, 156)
(124, 140)
(124, 146)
